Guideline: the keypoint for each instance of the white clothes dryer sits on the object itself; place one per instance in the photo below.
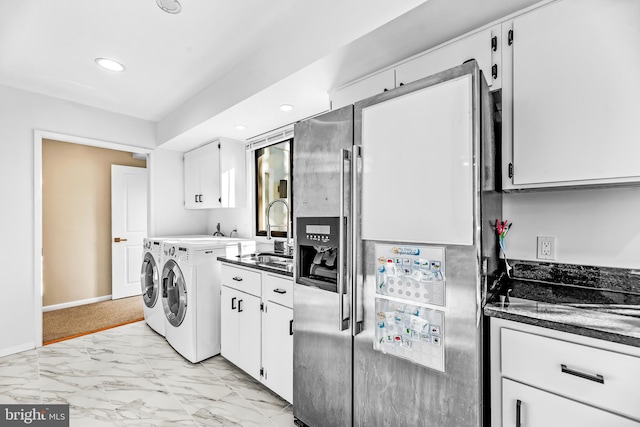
(152, 262)
(191, 293)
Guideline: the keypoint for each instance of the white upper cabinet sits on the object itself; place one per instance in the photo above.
(214, 176)
(362, 89)
(483, 46)
(201, 178)
(572, 96)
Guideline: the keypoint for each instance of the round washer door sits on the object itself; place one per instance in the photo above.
(149, 280)
(174, 293)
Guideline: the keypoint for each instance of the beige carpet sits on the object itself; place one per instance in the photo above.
(72, 322)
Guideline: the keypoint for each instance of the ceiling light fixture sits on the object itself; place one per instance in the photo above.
(110, 64)
(241, 127)
(169, 6)
(286, 107)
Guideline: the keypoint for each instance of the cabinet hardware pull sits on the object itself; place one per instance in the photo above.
(518, 413)
(118, 240)
(595, 378)
(200, 198)
(494, 71)
(233, 303)
(291, 327)
(196, 197)
(238, 279)
(280, 291)
(510, 37)
(494, 43)
(239, 306)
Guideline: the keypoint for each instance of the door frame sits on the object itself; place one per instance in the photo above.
(38, 136)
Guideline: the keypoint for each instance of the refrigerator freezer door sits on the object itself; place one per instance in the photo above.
(322, 342)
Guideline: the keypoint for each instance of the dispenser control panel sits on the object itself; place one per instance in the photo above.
(318, 230)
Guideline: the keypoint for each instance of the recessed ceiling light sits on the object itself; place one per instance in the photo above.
(110, 64)
(286, 107)
(169, 6)
(241, 127)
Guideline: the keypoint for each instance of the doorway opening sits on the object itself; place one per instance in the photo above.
(73, 220)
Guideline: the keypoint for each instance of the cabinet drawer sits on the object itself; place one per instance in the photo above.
(278, 289)
(588, 374)
(537, 408)
(241, 279)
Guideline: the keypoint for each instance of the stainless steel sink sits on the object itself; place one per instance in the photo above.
(277, 261)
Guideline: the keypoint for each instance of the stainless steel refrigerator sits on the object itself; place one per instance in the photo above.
(395, 199)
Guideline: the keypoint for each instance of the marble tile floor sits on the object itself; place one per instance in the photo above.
(130, 376)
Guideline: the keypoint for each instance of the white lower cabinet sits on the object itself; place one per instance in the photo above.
(240, 323)
(277, 349)
(546, 378)
(527, 406)
(257, 326)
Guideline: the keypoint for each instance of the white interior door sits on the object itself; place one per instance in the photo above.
(128, 228)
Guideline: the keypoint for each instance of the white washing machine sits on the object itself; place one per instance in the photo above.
(191, 293)
(150, 283)
(152, 262)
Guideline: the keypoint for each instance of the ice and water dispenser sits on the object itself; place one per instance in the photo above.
(318, 257)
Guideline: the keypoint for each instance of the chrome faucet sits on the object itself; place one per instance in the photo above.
(288, 245)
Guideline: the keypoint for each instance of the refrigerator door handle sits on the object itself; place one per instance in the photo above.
(343, 323)
(356, 313)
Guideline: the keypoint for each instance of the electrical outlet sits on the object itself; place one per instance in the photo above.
(546, 247)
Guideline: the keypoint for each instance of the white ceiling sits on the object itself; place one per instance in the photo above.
(219, 63)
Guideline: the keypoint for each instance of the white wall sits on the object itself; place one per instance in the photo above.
(599, 227)
(167, 213)
(21, 113)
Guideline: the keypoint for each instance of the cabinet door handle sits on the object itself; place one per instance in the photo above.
(233, 303)
(291, 327)
(238, 279)
(595, 378)
(196, 198)
(239, 306)
(518, 413)
(200, 198)
(280, 291)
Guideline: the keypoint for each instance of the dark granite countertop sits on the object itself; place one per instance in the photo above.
(619, 324)
(244, 262)
(602, 303)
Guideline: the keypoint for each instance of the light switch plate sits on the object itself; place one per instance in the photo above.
(546, 247)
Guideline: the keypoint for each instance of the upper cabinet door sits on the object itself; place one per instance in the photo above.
(479, 46)
(191, 179)
(232, 175)
(209, 156)
(576, 86)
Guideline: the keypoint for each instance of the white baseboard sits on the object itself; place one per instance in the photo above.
(16, 349)
(75, 303)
